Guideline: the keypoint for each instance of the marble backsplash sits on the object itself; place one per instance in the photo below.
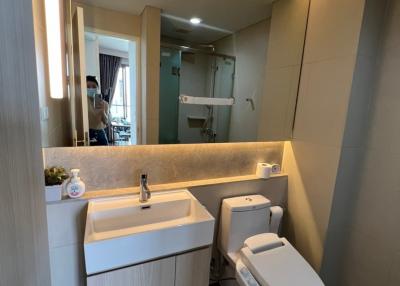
(120, 167)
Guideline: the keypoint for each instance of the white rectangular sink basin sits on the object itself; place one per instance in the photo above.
(122, 231)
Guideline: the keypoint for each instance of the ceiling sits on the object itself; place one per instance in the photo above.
(109, 43)
(185, 31)
(228, 15)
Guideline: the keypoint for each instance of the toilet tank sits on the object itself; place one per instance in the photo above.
(242, 217)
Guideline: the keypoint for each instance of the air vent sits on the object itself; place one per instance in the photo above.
(182, 31)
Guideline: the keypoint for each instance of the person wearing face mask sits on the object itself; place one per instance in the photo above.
(98, 111)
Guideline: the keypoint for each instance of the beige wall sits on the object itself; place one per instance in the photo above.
(121, 166)
(365, 212)
(24, 254)
(284, 58)
(312, 158)
(150, 74)
(55, 131)
(111, 22)
(249, 46)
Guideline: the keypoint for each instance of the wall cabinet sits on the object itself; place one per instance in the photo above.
(191, 268)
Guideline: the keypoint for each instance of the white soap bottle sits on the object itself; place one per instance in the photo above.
(75, 188)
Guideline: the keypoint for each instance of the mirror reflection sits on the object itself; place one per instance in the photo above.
(111, 114)
(196, 96)
(178, 72)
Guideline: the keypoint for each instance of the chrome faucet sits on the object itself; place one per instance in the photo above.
(145, 194)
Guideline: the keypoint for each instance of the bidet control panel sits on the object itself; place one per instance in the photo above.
(244, 275)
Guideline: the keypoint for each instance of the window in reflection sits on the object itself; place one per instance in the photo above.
(121, 108)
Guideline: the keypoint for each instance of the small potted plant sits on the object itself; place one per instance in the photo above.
(54, 179)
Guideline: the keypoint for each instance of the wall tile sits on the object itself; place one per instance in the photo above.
(278, 103)
(327, 36)
(382, 132)
(249, 46)
(370, 237)
(312, 172)
(394, 275)
(389, 85)
(391, 37)
(373, 19)
(358, 112)
(324, 96)
(286, 41)
(284, 57)
(376, 209)
(345, 188)
(367, 262)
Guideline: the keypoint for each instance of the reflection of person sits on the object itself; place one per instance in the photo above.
(98, 113)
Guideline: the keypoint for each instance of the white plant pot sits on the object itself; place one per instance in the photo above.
(54, 193)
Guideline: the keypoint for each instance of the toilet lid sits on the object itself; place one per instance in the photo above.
(280, 266)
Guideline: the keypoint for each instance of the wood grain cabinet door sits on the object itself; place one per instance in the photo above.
(156, 273)
(193, 268)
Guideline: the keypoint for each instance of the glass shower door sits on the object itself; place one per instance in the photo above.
(223, 88)
(169, 95)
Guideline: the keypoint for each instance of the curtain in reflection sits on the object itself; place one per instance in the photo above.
(109, 66)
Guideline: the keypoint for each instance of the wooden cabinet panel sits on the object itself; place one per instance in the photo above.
(24, 248)
(188, 269)
(155, 273)
(193, 268)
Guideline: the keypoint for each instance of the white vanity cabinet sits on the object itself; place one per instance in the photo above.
(191, 268)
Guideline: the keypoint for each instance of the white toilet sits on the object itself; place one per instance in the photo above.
(248, 240)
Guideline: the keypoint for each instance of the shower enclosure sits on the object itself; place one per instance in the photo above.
(195, 74)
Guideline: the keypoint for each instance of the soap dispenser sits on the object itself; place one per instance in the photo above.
(75, 188)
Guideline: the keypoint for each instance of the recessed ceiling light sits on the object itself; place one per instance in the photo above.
(195, 21)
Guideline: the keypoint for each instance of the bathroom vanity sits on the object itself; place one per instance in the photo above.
(67, 222)
(191, 268)
(163, 241)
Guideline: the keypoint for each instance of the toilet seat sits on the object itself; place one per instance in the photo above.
(273, 261)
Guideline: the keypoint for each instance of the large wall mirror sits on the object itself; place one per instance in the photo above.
(170, 72)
